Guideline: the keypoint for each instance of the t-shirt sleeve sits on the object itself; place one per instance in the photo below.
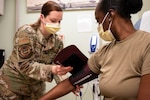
(146, 61)
(93, 63)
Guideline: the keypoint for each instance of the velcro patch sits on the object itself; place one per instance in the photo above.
(24, 40)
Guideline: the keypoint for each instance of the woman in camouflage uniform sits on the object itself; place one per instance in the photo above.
(23, 75)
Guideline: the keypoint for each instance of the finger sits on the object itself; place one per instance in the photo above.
(61, 73)
(67, 68)
(78, 87)
(64, 69)
(75, 93)
(81, 86)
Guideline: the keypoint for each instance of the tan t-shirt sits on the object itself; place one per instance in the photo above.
(121, 65)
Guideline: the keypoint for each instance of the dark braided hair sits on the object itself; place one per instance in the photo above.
(123, 7)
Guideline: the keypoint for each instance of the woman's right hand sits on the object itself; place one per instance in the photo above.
(61, 70)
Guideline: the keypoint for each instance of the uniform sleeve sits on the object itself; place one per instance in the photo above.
(59, 43)
(59, 78)
(24, 41)
(146, 61)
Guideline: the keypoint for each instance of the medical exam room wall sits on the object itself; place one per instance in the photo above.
(7, 27)
(16, 9)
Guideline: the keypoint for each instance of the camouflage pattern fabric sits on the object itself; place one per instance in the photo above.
(23, 75)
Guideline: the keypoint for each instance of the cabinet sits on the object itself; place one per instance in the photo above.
(2, 57)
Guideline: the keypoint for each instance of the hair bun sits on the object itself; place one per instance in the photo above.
(133, 6)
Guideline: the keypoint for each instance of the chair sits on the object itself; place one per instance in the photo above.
(145, 22)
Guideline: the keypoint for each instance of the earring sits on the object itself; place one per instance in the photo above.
(109, 19)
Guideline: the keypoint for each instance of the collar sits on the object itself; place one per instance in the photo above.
(47, 42)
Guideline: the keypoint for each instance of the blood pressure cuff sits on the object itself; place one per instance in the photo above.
(72, 56)
(83, 76)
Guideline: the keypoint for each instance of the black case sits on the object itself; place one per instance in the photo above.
(2, 57)
(71, 56)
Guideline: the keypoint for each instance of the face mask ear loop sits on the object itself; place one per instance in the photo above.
(105, 17)
(110, 25)
(43, 22)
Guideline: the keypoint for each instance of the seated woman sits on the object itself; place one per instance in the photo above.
(123, 64)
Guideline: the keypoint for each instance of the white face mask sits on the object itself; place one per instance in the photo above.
(107, 35)
(52, 28)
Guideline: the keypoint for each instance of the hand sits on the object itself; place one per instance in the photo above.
(60, 70)
(77, 90)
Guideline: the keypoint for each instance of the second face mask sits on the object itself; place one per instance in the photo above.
(52, 28)
(105, 35)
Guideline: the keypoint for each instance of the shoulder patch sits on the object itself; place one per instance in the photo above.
(25, 51)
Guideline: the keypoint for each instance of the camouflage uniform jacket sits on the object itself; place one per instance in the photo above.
(26, 70)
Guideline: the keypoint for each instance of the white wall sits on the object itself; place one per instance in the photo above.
(69, 29)
(7, 27)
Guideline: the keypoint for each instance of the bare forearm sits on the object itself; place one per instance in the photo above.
(60, 90)
(144, 89)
